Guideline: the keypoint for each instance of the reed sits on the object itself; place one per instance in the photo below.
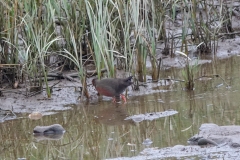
(78, 62)
(102, 26)
(113, 34)
(189, 72)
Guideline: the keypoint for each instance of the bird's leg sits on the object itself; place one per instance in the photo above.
(114, 100)
(117, 99)
(123, 98)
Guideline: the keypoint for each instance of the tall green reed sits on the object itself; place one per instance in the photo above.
(128, 31)
(143, 26)
(103, 29)
(33, 40)
(76, 58)
(39, 48)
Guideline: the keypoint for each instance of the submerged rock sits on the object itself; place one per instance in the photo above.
(52, 129)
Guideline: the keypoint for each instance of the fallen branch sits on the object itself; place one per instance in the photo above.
(214, 75)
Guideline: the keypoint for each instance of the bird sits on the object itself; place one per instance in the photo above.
(112, 87)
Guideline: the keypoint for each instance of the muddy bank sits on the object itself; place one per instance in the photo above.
(62, 95)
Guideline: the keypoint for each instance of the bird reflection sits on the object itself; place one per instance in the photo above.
(114, 116)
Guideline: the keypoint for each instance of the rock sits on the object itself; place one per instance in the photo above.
(216, 135)
(201, 141)
(35, 115)
(52, 129)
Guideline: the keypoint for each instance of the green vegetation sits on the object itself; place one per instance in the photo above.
(40, 37)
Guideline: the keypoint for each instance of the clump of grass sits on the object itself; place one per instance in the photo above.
(189, 72)
(143, 20)
(103, 28)
(77, 60)
(37, 51)
(188, 75)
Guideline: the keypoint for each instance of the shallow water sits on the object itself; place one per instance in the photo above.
(99, 131)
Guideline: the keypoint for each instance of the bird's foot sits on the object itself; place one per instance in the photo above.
(123, 98)
(115, 101)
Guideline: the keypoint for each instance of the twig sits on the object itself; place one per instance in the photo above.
(5, 117)
(214, 75)
(13, 112)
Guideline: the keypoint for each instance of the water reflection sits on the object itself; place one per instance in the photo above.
(114, 115)
(41, 137)
(147, 142)
(99, 131)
